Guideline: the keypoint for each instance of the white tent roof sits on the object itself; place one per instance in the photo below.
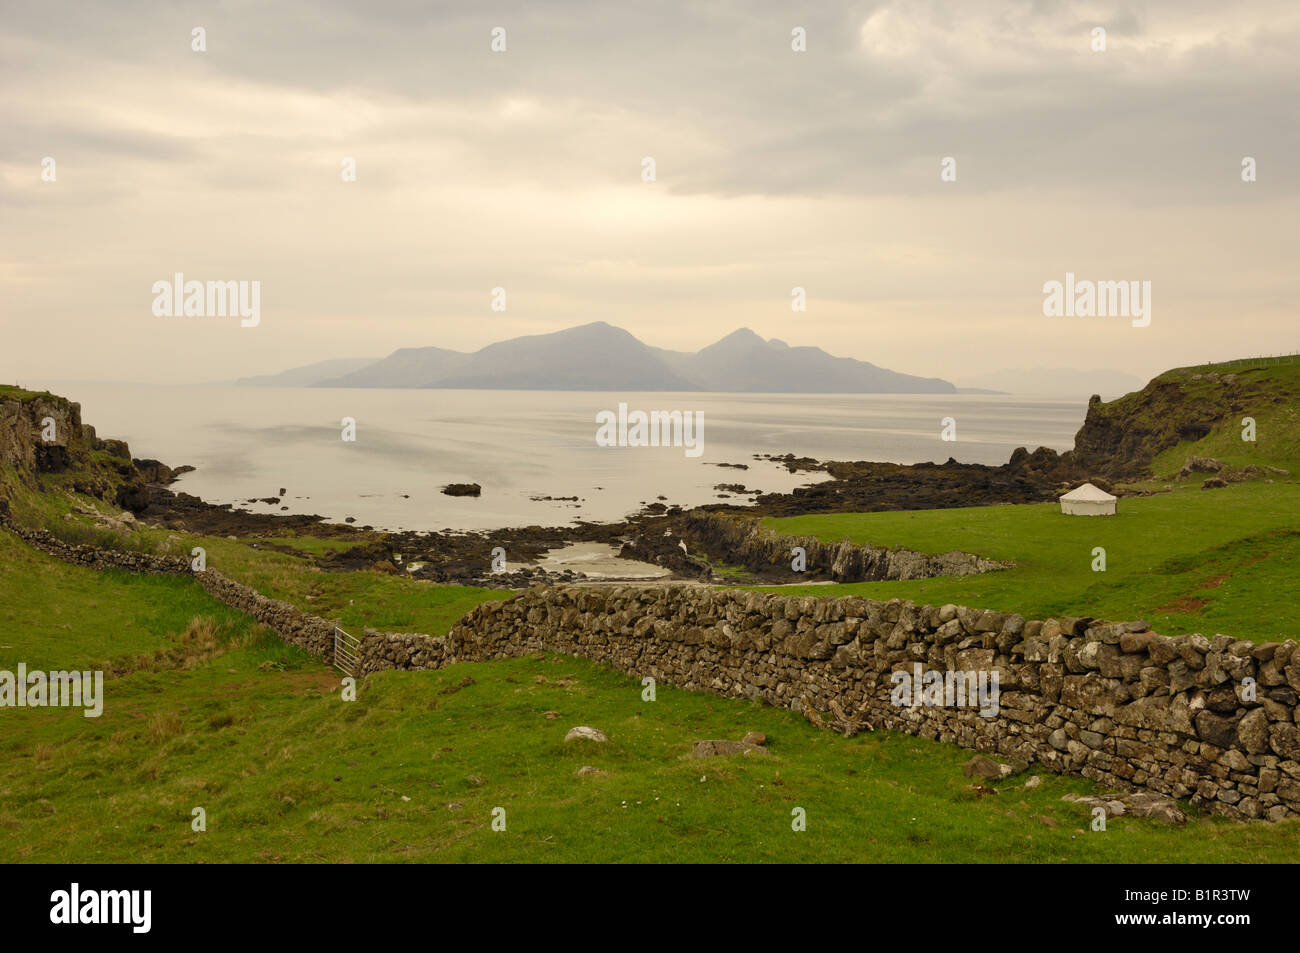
(1089, 494)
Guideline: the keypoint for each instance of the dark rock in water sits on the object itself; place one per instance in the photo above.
(283, 491)
(462, 489)
(792, 463)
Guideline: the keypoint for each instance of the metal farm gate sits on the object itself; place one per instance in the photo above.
(347, 652)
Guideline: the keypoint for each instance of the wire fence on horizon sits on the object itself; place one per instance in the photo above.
(1263, 360)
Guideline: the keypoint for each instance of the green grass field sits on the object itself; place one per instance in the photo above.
(257, 735)
(1194, 560)
(53, 614)
(413, 770)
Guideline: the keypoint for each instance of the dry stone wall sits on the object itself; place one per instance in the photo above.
(1209, 720)
(302, 629)
(93, 557)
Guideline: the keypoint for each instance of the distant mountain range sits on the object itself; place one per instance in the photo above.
(600, 356)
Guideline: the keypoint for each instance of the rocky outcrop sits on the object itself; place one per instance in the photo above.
(158, 473)
(26, 422)
(741, 541)
(43, 433)
(650, 546)
(1122, 438)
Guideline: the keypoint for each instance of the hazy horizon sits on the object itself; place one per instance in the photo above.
(1031, 382)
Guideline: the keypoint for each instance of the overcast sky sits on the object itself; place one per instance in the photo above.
(523, 169)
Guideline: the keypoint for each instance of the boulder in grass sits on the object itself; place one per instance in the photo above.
(584, 732)
(1199, 465)
(982, 767)
(709, 749)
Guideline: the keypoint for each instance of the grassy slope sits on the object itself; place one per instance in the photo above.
(53, 615)
(13, 391)
(1191, 561)
(393, 603)
(1277, 418)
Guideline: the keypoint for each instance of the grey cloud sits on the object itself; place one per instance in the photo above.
(748, 116)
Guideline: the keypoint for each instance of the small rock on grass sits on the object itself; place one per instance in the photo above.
(982, 767)
(1033, 782)
(582, 731)
(1137, 804)
(708, 749)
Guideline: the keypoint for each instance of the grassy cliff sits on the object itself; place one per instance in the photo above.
(1197, 412)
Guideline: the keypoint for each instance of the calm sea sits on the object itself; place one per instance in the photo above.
(250, 442)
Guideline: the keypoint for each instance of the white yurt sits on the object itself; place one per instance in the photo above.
(1088, 500)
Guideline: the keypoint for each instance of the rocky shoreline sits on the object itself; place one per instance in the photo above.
(688, 543)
